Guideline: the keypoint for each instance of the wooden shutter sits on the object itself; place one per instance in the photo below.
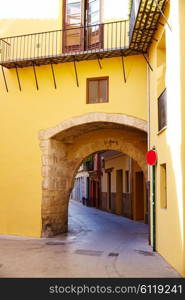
(73, 32)
(162, 114)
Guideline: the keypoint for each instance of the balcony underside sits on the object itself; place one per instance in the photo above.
(75, 56)
(146, 24)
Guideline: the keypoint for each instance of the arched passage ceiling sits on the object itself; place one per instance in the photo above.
(68, 136)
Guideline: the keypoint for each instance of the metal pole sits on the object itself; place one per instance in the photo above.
(157, 4)
(148, 62)
(18, 79)
(123, 66)
(148, 136)
(153, 208)
(4, 77)
(53, 73)
(35, 75)
(76, 74)
(99, 61)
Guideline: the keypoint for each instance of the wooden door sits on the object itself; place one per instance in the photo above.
(139, 196)
(109, 204)
(73, 26)
(94, 31)
(97, 194)
(88, 189)
(119, 192)
(94, 193)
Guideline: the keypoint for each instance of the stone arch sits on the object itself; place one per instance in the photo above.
(93, 118)
(66, 145)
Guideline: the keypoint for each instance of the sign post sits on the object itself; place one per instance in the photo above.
(151, 159)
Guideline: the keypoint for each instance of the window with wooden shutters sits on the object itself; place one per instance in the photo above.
(93, 32)
(97, 90)
(72, 24)
(162, 114)
(81, 20)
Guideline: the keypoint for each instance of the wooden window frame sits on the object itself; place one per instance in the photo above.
(84, 5)
(64, 5)
(101, 27)
(87, 89)
(81, 46)
(83, 25)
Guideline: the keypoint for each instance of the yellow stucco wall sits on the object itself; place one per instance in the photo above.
(13, 27)
(182, 82)
(25, 113)
(169, 222)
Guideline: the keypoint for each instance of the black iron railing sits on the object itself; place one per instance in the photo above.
(89, 39)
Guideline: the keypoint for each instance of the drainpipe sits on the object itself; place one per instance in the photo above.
(148, 142)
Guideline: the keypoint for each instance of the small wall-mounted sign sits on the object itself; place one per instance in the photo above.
(151, 157)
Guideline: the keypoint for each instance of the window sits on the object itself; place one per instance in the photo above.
(163, 186)
(80, 19)
(73, 12)
(162, 119)
(161, 83)
(97, 90)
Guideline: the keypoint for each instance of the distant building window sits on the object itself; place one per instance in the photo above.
(102, 163)
(162, 116)
(97, 90)
(163, 186)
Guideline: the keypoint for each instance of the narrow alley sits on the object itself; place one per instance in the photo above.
(98, 244)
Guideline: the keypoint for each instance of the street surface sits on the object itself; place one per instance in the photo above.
(98, 244)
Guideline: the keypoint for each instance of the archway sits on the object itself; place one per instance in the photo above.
(69, 143)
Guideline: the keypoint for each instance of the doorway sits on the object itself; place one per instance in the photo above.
(81, 25)
(109, 191)
(119, 192)
(139, 194)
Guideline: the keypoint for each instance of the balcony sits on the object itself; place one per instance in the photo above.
(77, 43)
(144, 21)
(121, 38)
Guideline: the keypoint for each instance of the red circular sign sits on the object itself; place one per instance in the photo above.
(151, 157)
